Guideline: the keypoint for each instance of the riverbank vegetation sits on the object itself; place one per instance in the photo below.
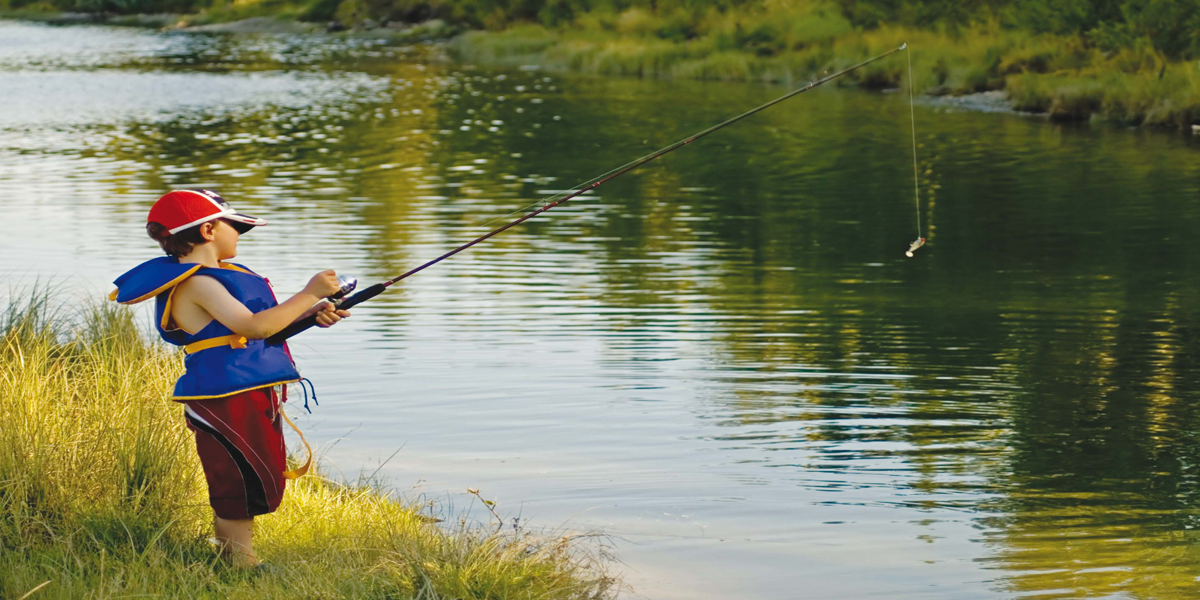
(101, 495)
(1071, 60)
(1128, 61)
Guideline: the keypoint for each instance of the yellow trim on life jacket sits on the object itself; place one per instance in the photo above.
(234, 392)
(166, 318)
(232, 340)
(234, 267)
(163, 287)
(298, 472)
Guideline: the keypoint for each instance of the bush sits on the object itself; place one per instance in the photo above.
(636, 22)
(823, 24)
(679, 26)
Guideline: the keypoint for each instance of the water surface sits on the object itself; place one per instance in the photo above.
(724, 360)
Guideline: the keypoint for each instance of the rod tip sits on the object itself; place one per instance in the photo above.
(903, 46)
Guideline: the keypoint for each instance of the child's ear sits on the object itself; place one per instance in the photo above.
(206, 231)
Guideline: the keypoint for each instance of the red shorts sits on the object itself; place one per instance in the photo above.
(240, 441)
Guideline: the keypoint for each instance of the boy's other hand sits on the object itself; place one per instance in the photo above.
(328, 314)
(323, 284)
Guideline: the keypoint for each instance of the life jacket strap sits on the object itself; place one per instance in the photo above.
(233, 341)
(298, 472)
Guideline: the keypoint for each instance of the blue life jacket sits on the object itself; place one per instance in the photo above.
(219, 362)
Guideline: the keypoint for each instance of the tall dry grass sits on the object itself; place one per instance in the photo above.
(102, 496)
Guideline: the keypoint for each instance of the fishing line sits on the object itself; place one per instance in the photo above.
(576, 189)
(920, 241)
(586, 186)
(579, 189)
(349, 284)
(553, 197)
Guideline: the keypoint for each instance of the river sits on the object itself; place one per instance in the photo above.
(723, 362)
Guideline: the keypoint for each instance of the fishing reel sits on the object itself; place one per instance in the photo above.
(346, 284)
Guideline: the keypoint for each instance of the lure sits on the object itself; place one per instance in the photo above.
(913, 246)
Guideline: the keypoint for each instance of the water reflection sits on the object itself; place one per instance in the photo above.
(727, 344)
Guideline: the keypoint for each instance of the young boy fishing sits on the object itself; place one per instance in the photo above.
(234, 382)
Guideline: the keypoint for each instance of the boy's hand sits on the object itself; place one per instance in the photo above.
(328, 314)
(323, 285)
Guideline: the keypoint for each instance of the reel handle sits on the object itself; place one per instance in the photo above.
(311, 320)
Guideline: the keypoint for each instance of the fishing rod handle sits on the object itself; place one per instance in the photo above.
(311, 320)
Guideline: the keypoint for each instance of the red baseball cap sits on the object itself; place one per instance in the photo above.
(179, 209)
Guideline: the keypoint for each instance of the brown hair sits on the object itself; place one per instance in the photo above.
(177, 244)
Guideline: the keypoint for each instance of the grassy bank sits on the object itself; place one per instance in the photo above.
(1061, 75)
(101, 495)
(1119, 60)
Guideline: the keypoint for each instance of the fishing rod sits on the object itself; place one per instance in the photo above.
(348, 284)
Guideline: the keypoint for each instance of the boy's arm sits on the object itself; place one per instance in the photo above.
(208, 294)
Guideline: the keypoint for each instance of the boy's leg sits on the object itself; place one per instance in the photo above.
(235, 537)
(240, 443)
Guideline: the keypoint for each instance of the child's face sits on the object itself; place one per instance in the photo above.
(226, 239)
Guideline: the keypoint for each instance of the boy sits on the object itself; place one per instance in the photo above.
(234, 382)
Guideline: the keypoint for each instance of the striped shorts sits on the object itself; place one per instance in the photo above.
(240, 442)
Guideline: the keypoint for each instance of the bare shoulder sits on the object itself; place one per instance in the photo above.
(198, 288)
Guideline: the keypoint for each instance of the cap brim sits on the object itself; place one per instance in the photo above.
(243, 223)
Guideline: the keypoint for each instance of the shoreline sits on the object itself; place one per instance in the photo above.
(992, 70)
(103, 493)
(1020, 84)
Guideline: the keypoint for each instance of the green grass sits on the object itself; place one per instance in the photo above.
(102, 496)
(794, 42)
(1168, 97)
